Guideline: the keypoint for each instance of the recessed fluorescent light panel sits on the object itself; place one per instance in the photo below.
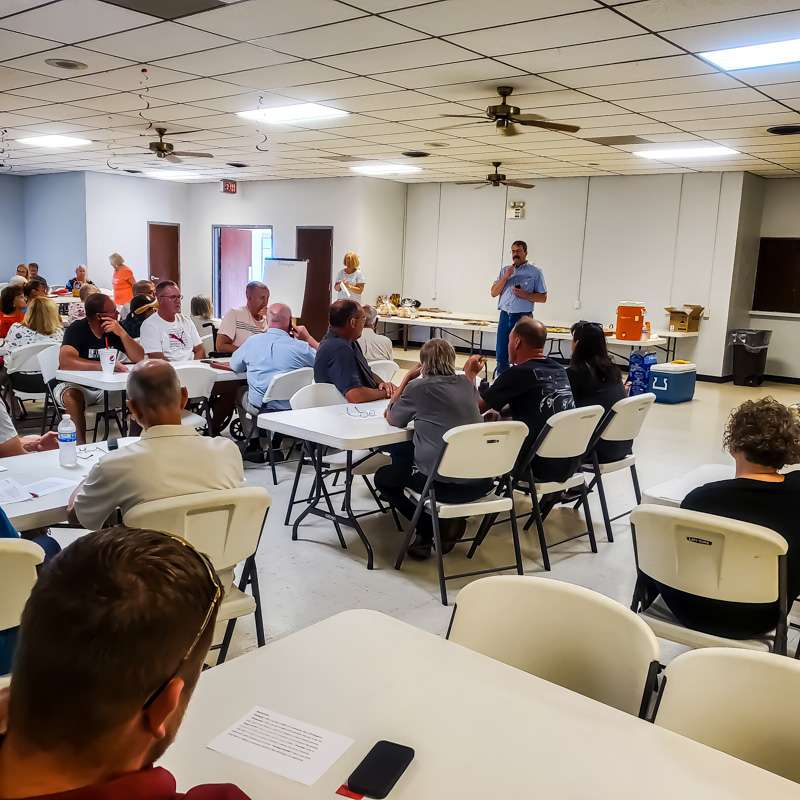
(289, 115)
(54, 141)
(172, 174)
(385, 169)
(682, 153)
(755, 55)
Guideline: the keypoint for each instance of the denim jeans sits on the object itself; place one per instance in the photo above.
(504, 325)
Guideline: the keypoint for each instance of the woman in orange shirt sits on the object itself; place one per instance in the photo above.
(12, 305)
(123, 280)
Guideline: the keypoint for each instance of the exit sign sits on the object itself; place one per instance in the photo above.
(227, 186)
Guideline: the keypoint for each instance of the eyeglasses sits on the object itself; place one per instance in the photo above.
(355, 411)
(215, 600)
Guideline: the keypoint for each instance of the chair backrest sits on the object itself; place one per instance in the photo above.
(48, 362)
(566, 634)
(742, 702)
(626, 418)
(224, 524)
(706, 555)
(384, 368)
(284, 385)
(18, 561)
(567, 434)
(317, 395)
(25, 358)
(198, 379)
(208, 343)
(481, 450)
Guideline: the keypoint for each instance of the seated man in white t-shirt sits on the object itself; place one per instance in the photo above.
(168, 334)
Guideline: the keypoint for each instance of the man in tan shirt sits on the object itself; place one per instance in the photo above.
(239, 324)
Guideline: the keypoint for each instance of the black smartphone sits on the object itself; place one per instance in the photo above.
(380, 770)
(112, 444)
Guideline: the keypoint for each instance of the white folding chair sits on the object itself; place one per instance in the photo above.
(712, 557)
(25, 377)
(565, 436)
(471, 452)
(743, 703)
(18, 561)
(199, 381)
(283, 386)
(226, 525)
(385, 369)
(623, 423)
(566, 634)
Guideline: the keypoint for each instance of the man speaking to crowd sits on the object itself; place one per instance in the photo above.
(518, 286)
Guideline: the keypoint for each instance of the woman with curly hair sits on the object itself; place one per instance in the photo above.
(763, 436)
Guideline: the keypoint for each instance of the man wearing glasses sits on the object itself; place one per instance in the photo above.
(129, 645)
(168, 334)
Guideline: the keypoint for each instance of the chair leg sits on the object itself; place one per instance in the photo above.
(437, 541)
(537, 517)
(480, 535)
(410, 532)
(226, 641)
(44, 414)
(252, 578)
(515, 539)
(636, 490)
(601, 492)
(589, 525)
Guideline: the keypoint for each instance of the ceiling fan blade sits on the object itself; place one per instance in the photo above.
(508, 130)
(525, 117)
(519, 184)
(464, 116)
(468, 183)
(173, 159)
(172, 133)
(191, 155)
(485, 184)
(463, 125)
(550, 126)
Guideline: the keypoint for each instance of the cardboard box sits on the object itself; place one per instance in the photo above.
(686, 320)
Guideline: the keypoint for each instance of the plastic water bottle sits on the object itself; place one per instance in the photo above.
(67, 442)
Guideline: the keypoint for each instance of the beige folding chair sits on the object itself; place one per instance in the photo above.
(25, 377)
(226, 525)
(385, 369)
(623, 423)
(18, 561)
(709, 556)
(743, 703)
(471, 452)
(566, 634)
(199, 380)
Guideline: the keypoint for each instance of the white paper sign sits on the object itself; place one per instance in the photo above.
(50, 486)
(12, 492)
(288, 747)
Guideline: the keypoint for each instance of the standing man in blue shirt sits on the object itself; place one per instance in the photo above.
(518, 286)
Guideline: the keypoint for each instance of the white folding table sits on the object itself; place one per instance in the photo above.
(345, 427)
(480, 729)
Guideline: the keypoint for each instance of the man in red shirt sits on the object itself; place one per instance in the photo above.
(121, 621)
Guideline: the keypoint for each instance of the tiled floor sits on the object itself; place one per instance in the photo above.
(308, 580)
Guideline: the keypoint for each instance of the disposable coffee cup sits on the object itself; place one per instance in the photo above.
(108, 359)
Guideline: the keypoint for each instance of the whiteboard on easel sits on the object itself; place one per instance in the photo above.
(286, 278)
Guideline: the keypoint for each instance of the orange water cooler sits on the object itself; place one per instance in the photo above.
(630, 321)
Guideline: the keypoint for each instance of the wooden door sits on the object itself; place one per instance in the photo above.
(164, 251)
(316, 245)
(235, 255)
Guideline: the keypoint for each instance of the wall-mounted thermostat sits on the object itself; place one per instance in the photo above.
(516, 210)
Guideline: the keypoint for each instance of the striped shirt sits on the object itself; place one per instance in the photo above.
(239, 325)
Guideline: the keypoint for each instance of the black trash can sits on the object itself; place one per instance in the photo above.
(749, 355)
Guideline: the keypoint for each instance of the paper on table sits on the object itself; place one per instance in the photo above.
(50, 486)
(12, 492)
(288, 747)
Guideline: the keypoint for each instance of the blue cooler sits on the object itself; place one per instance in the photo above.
(673, 383)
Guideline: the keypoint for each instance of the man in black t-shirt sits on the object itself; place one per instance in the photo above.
(83, 340)
(533, 389)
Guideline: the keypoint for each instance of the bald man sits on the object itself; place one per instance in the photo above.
(532, 389)
(281, 349)
(163, 462)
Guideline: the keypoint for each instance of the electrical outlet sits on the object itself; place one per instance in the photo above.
(577, 304)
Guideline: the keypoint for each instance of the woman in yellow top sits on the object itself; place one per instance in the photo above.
(123, 280)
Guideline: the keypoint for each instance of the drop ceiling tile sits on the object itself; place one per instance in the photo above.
(109, 121)
(530, 102)
(295, 74)
(9, 102)
(447, 77)
(383, 101)
(199, 89)
(589, 26)
(781, 90)
(637, 129)
(712, 112)
(691, 100)
(420, 113)
(341, 37)
(425, 53)
(53, 127)
(157, 42)
(211, 122)
(61, 91)
(94, 61)
(650, 69)
(765, 120)
(13, 45)
(57, 111)
(15, 6)
(16, 79)
(754, 30)
(246, 101)
(116, 103)
(574, 111)
(257, 18)
(662, 15)
(135, 78)
(332, 90)
(781, 73)
(230, 58)
(177, 111)
(697, 83)
(69, 21)
(16, 120)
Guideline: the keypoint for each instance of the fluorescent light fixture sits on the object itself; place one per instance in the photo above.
(287, 115)
(171, 174)
(54, 141)
(690, 151)
(385, 169)
(755, 55)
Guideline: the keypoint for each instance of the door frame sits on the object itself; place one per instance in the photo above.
(166, 224)
(216, 256)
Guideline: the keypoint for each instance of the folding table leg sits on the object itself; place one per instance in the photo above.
(349, 509)
(298, 471)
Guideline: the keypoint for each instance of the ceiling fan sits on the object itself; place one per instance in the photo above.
(506, 117)
(496, 179)
(167, 151)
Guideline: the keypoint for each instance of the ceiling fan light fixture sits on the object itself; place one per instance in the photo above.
(294, 114)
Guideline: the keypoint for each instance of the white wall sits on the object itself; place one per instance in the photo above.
(781, 217)
(664, 240)
(12, 224)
